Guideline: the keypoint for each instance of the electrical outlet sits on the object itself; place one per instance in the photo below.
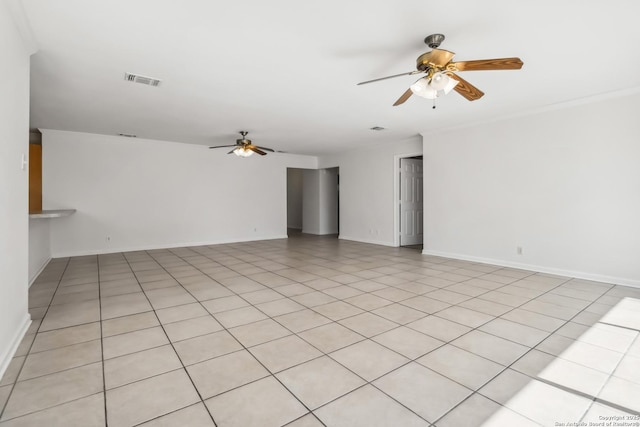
(519, 250)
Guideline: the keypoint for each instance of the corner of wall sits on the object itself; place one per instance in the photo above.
(10, 350)
(369, 241)
(39, 247)
(16, 9)
(14, 109)
(33, 274)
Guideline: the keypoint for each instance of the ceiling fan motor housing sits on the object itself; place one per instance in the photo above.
(435, 60)
(422, 63)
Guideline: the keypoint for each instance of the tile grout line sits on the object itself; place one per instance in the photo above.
(184, 369)
(473, 392)
(596, 397)
(243, 347)
(323, 354)
(104, 379)
(344, 284)
(331, 321)
(399, 302)
(171, 412)
(512, 363)
(529, 376)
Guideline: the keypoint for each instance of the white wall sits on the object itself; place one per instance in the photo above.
(39, 231)
(311, 202)
(14, 181)
(320, 201)
(367, 196)
(564, 185)
(141, 194)
(39, 246)
(294, 198)
(328, 201)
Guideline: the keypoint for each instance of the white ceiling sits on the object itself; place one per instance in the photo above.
(286, 70)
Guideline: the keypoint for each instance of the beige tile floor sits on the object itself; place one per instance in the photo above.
(312, 331)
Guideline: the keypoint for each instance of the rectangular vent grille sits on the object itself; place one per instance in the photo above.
(136, 78)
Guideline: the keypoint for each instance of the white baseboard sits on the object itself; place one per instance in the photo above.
(539, 268)
(37, 273)
(373, 242)
(103, 251)
(318, 233)
(7, 354)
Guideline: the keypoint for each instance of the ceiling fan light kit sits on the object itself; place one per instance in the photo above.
(440, 81)
(431, 88)
(242, 152)
(440, 71)
(422, 88)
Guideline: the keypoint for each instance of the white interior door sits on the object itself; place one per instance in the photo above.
(411, 210)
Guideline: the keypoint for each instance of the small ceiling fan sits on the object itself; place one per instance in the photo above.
(244, 148)
(440, 78)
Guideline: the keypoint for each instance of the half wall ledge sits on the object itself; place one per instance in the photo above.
(53, 213)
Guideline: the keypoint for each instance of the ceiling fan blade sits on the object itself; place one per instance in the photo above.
(222, 146)
(403, 98)
(256, 150)
(487, 64)
(265, 149)
(231, 152)
(466, 89)
(389, 77)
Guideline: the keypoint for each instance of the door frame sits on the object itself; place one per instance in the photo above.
(396, 194)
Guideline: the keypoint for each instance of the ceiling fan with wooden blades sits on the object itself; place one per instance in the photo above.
(440, 70)
(244, 148)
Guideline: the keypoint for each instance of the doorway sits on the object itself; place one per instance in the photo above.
(313, 201)
(410, 203)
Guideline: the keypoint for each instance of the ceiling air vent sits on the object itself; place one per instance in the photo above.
(136, 78)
